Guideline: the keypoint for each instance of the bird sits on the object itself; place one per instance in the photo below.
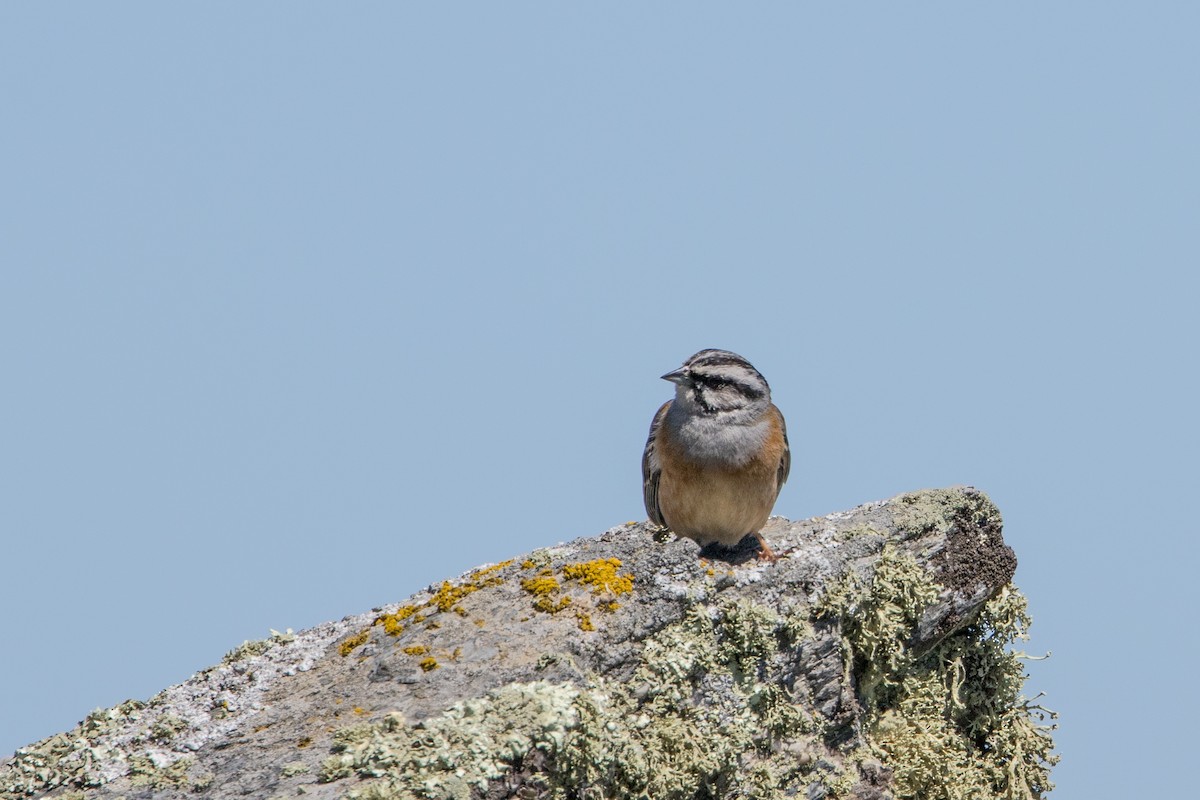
(717, 454)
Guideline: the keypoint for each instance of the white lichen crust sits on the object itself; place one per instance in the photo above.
(141, 740)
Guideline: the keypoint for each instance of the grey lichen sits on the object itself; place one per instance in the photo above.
(709, 710)
(950, 723)
(142, 741)
(857, 532)
(643, 737)
(82, 759)
(917, 513)
(249, 649)
(144, 772)
(166, 728)
(877, 618)
(650, 737)
(470, 744)
(73, 759)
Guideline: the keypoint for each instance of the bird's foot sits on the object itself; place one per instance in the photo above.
(765, 553)
(752, 546)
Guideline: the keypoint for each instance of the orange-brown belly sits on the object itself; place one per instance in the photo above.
(716, 506)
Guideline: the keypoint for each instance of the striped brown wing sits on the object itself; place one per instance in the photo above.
(785, 460)
(652, 470)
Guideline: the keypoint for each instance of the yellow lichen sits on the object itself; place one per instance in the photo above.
(538, 559)
(547, 605)
(540, 586)
(417, 650)
(393, 624)
(481, 572)
(360, 710)
(428, 664)
(448, 595)
(600, 574)
(349, 644)
(446, 598)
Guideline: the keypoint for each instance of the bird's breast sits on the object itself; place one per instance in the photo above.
(718, 482)
(710, 441)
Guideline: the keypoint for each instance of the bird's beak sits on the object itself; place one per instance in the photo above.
(678, 376)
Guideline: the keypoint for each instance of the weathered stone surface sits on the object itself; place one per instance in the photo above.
(605, 667)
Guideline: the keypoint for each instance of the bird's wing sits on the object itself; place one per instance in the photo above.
(652, 470)
(785, 460)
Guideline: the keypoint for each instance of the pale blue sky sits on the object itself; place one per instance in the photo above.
(305, 307)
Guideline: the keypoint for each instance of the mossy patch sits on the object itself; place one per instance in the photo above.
(950, 723)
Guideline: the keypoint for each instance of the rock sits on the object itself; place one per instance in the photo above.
(869, 661)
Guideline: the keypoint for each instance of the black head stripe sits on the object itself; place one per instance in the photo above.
(721, 367)
(717, 358)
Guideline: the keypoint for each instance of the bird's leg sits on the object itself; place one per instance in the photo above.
(765, 553)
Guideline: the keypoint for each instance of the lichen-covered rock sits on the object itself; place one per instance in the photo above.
(871, 660)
